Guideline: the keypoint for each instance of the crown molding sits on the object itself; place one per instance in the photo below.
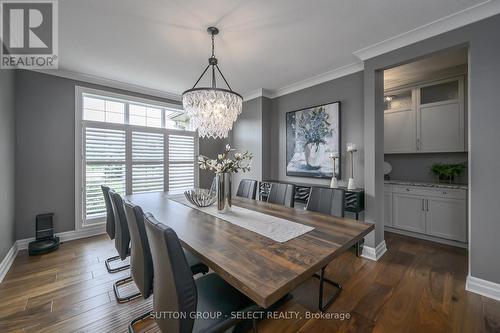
(317, 79)
(257, 93)
(459, 19)
(110, 83)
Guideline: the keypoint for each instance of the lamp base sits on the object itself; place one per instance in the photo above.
(351, 185)
(334, 183)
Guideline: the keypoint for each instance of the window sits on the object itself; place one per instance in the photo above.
(131, 145)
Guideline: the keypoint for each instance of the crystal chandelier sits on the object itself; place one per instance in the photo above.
(212, 110)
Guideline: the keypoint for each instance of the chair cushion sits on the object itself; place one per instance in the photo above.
(196, 265)
(216, 295)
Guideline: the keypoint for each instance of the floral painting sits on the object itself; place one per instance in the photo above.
(311, 136)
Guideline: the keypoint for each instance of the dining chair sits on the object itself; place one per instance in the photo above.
(282, 194)
(247, 189)
(328, 201)
(122, 243)
(176, 291)
(110, 230)
(141, 263)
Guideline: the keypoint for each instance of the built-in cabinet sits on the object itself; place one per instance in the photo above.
(425, 118)
(435, 212)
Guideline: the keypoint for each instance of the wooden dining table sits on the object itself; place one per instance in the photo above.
(259, 267)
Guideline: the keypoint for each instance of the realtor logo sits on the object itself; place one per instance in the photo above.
(29, 34)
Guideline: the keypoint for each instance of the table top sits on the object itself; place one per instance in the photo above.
(257, 266)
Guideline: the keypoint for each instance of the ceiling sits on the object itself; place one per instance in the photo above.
(163, 44)
(427, 67)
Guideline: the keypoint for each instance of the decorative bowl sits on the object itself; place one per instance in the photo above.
(200, 197)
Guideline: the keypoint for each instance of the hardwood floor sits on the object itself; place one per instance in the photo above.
(417, 286)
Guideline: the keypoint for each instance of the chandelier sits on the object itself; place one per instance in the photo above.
(212, 110)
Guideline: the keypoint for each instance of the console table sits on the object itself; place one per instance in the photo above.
(354, 199)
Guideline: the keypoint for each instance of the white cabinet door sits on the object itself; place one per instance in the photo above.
(399, 131)
(441, 127)
(447, 218)
(408, 212)
(388, 209)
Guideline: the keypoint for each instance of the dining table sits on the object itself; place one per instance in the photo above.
(261, 268)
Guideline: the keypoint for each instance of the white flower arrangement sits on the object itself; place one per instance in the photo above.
(223, 164)
(352, 147)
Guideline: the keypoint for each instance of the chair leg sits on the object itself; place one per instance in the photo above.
(136, 320)
(322, 280)
(124, 299)
(116, 269)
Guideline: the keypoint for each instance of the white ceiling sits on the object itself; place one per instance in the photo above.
(426, 67)
(163, 44)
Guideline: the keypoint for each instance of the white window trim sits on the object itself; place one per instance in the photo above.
(79, 156)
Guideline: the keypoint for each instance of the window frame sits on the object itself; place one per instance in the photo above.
(80, 160)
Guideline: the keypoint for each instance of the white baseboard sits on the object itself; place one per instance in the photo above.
(374, 253)
(65, 236)
(483, 287)
(8, 260)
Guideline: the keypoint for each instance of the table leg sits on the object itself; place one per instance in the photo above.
(322, 280)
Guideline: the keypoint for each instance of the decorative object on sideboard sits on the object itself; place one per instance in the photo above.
(311, 135)
(351, 149)
(200, 197)
(387, 170)
(334, 157)
(447, 172)
(224, 167)
(212, 110)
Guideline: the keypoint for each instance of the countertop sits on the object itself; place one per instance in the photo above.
(424, 184)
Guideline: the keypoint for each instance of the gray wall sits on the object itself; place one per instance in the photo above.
(247, 135)
(7, 159)
(416, 167)
(484, 121)
(45, 149)
(349, 91)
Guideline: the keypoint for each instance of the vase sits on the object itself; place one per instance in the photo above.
(223, 189)
(334, 182)
(313, 153)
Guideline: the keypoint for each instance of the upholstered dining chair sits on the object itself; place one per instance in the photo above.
(141, 263)
(282, 194)
(122, 243)
(175, 290)
(329, 201)
(110, 230)
(247, 188)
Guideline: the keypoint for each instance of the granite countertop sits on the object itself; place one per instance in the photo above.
(424, 184)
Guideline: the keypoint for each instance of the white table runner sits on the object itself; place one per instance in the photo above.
(278, 229)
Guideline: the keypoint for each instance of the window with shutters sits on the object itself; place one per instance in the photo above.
(131, 145)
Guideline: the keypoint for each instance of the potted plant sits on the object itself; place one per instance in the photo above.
(224, 167)
(447, 172)
(312, 129)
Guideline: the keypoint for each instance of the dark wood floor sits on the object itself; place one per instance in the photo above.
(417, 286)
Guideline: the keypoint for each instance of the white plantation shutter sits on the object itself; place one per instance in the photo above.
(132, 146)
(104, 165)
(181, 162)
(147, 162)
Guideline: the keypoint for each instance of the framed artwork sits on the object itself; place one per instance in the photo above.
(313, 134)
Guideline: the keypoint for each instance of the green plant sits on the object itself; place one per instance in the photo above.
(447, 171)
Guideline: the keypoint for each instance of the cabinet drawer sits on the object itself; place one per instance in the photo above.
(432, 192)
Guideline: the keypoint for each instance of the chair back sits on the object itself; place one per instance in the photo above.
(141, 264)
(247, 189)
(110, 217)
(122, 235)
(327, 201)
(174, 290)
(282, 194)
